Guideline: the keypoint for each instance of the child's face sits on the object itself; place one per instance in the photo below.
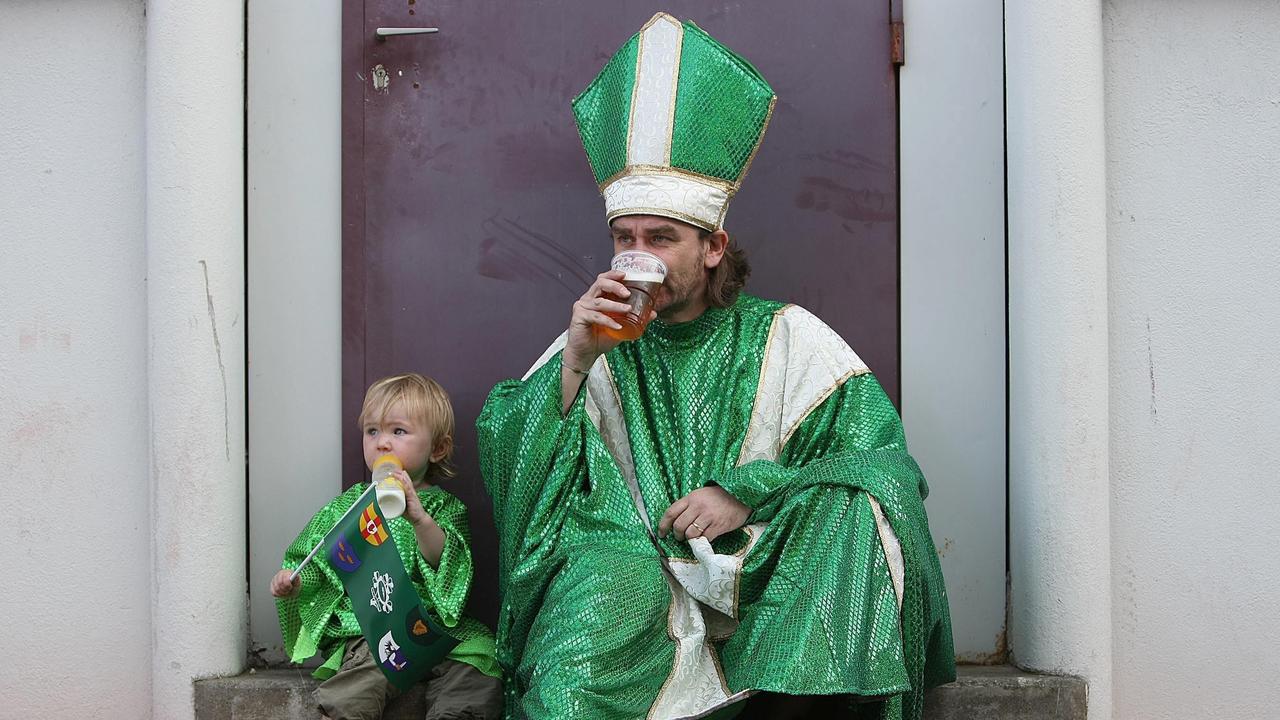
(404, 437)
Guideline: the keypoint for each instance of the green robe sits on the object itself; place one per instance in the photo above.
(833, 587)
(320, 619)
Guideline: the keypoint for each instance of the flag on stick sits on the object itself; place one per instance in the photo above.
(403, 637)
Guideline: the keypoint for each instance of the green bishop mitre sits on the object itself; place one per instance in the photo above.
(672, 123)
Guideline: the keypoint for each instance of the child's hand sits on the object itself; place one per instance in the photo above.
(282, 588)
(413, 510)
(430, 535)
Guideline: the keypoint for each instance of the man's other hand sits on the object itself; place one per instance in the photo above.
(706, 512)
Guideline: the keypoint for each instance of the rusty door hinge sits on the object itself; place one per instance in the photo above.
(897, 49)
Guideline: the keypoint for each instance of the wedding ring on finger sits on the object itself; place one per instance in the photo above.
(701, 529)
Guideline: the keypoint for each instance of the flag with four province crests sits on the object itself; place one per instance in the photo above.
(406, 641)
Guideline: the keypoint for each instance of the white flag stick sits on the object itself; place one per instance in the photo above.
(294, 576)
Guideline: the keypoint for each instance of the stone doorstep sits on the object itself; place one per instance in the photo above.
(1003, 692)
(979, 693)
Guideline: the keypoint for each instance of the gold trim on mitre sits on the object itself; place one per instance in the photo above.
(675, 90)
(654, 90)
(667, 194)
(728, 187)
(768, 116)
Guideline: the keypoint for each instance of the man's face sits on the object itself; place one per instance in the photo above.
(681, 248)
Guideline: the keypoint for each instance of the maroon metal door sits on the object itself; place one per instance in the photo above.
(471, 221)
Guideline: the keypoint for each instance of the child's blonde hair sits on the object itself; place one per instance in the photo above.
(424, 401)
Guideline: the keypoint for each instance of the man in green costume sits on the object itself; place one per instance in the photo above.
(726, 505)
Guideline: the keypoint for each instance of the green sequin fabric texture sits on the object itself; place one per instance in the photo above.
(319, 618)
(722, 107)
(596, 619)
(603, 112)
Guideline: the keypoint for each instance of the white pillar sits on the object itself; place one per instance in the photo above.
(196, 363)
(953, 298)
(1060, 559)
(294, 261)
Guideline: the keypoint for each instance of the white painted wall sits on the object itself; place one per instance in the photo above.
(1059, 480)
(196, 345)
(951, 93)
(295, 286)
(76, 600)
(1193, 185)
(121, 355)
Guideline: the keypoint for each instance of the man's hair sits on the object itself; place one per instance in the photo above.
(424, 401)
(728, 278)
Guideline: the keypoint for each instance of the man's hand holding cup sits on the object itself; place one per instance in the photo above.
(618, 306)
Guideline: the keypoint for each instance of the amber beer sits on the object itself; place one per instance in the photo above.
(645, 273)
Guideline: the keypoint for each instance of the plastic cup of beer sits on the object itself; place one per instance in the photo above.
(645, 273)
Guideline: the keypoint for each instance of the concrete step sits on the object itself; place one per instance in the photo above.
(1006, 693)
(998, 693)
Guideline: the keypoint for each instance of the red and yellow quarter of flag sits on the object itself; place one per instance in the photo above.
(371, 526)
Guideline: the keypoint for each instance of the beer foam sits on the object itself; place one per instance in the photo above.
(638, 276)
(639, 261)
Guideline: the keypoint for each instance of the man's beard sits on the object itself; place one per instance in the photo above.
(677, 305)
(682, 288)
